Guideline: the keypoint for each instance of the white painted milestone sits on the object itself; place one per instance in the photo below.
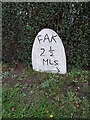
(48, 53)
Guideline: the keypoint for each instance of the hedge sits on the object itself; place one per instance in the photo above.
(22, 21)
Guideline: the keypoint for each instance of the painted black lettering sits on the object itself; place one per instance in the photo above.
(53, 38)
(46, 38)
(58, 69)
(38, 37)
(56, 62)
(50, 62)
(45, 61)
(51, 51)
(43, 51)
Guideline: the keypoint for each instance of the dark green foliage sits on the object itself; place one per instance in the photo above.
(22, 21)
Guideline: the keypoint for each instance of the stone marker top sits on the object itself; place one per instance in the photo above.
(48, 52)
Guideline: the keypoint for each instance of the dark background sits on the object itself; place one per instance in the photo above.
(22, 21)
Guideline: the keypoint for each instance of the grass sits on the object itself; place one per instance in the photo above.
(43, 95)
